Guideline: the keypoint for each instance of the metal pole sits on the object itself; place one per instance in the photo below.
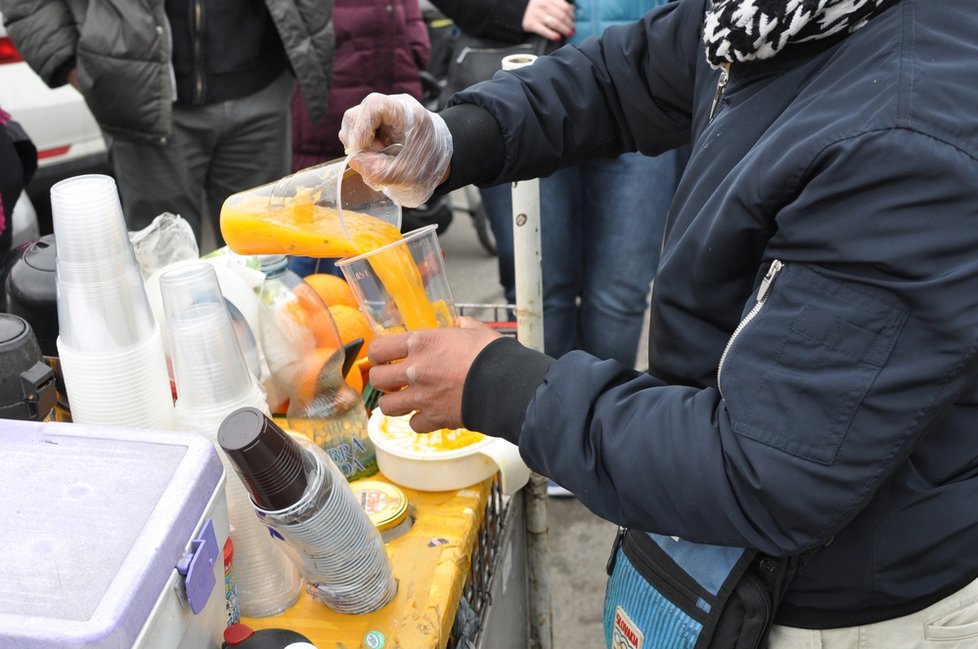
(529, 319)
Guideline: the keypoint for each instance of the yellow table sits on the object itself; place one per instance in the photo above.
(431, 563)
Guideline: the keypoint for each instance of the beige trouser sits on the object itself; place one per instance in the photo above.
(951, 623)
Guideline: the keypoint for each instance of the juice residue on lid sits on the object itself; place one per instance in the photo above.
(401, 437)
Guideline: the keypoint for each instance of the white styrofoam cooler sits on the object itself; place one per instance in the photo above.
(99, 525)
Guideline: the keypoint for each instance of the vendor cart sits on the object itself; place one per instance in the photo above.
(464, 579)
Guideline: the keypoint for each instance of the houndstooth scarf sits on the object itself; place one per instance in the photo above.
(744, 30)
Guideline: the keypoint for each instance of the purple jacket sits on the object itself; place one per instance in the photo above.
(381, 45)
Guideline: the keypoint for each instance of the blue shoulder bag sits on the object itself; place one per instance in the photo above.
(667, 593)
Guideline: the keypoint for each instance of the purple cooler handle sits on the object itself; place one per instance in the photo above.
(197, 567)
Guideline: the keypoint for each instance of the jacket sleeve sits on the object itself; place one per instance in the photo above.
(631, 89)
(45, 34)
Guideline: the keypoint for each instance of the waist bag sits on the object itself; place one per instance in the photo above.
(666, 593)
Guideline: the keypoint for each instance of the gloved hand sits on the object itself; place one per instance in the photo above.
(410, 176)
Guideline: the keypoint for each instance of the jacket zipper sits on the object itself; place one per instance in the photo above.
(762, 294)
(721, 86)
(198, 55)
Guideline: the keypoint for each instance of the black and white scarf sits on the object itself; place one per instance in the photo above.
(745, 30)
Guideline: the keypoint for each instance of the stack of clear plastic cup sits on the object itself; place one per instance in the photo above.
(343, 558)
(212, 380)
(109, 344)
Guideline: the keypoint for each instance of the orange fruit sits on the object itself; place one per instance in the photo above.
(308, 376)
(309, 312)
(352, 324)
(308, 373)
(332, 289)
(355, 379)
(363, 367)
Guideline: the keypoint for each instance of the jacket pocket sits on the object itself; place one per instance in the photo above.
(796, 376)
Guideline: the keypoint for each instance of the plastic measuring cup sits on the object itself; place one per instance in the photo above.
(320, 211)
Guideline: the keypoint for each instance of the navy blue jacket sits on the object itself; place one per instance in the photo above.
(834, 406)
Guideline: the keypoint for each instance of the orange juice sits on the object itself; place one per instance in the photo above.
(256, 224)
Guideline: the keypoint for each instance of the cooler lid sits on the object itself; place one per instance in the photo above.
(95, 520)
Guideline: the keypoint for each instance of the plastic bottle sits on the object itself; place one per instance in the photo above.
(307, 363)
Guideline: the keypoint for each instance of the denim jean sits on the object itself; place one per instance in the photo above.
(601, 231)
(498, 203)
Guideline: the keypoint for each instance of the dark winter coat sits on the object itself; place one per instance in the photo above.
(833, 405)
(381, 46)
(123, 55)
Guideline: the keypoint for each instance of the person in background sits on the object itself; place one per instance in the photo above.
(510, 21)
(813, 351)
(18, 162)
(601, 225)
(191, 95)
(381, 46)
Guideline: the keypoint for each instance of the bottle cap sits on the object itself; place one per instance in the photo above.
(271, 263)
(266, 458)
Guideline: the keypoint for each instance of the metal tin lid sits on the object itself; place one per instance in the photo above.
(385, 504)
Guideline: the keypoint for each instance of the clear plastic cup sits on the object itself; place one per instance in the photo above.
(209, 368)
(320, 211)
(102, 304)
(403, 285)
(212, 380)
(125, 388)
(88, 222)
(102, 310)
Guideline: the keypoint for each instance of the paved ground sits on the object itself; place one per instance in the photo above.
(579, 542)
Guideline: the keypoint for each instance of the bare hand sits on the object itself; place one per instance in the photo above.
(73, 79)
(425, 371)
(552, 19)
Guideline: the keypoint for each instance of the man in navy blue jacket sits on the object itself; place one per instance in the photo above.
(813, 354)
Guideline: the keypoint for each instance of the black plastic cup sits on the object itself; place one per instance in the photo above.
(266, 458)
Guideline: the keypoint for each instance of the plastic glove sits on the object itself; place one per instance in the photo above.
(410, 176)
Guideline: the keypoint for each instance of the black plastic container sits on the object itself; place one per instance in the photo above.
(30, 289)
(27, 385)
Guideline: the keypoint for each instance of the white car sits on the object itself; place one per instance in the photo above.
(68, 139)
